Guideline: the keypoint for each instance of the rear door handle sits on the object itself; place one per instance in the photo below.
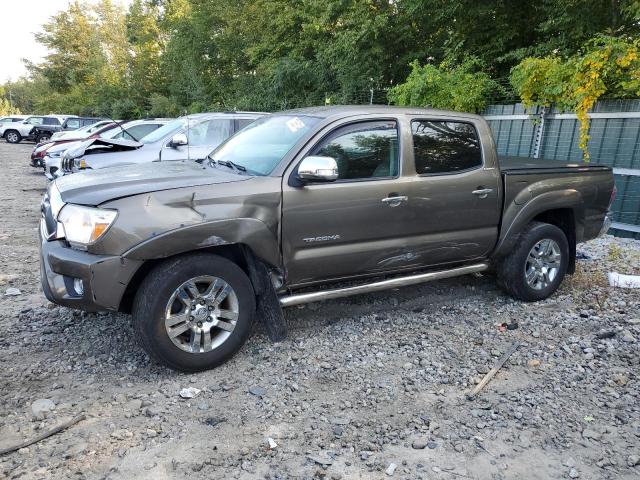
(395, 201)
(482, 192)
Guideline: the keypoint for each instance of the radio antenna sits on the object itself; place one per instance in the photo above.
(188, 146)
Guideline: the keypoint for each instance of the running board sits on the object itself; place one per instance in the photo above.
(297, 299)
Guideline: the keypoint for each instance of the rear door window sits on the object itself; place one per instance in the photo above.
(243, 122)
(73, 123)
(441, 147)
(140, 131)
(35, 120)
(210, 132)
(51, 121)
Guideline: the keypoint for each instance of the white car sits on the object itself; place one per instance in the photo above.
(134, 130)
(17, 131)
(79, 133)
(9, 120)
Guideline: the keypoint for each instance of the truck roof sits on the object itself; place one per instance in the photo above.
(327, 111)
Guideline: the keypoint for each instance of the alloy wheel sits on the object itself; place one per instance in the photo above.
(201, 314)
(543, 264)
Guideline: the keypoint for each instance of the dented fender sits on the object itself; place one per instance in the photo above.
(248, 231)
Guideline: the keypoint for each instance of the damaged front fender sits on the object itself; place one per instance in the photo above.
(248, 231)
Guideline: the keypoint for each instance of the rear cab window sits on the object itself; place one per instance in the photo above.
(445, 147)
(51, 121)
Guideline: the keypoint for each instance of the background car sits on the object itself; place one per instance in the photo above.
(4, 121)
(191, 137)
(133, 130)
(79, 132)
(17, 131)
(42, 133)
(40, 150)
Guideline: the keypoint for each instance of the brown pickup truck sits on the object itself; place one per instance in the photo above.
(299, 202)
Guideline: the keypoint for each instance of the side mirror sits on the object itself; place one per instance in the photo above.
(318, 169)
(178, 140)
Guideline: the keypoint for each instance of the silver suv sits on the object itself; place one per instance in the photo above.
(191, 137)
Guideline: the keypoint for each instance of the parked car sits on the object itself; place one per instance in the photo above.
(382, 197)
(90, 131)
(187, 138)
(51, 158)
(5, 121)
(80, 132)
(43, 133)
(26, 130)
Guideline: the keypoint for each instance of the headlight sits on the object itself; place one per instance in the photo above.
(84, 225)
(56, 154)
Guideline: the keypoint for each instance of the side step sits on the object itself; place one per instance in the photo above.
(297, 299)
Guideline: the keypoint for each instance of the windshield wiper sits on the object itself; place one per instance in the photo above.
(232, 165)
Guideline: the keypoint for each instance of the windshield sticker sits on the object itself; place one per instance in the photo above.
(295, 124)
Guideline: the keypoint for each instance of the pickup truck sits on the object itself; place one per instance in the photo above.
(308, 205)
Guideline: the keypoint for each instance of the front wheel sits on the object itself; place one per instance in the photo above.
(43, 138)
(12, 136)
(194, 312)
(536, 266)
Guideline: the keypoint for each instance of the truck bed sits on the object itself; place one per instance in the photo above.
(523, 165)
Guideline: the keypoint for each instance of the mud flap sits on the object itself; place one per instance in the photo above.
(268, 307)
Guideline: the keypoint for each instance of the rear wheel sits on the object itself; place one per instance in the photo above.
(194, 312)
(12, 136)
(536, 266)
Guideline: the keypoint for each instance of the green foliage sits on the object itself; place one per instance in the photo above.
(606, 65)
(448, 87)
(189, 55)
(162, 106)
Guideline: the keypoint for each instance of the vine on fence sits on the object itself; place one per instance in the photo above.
(607, 65)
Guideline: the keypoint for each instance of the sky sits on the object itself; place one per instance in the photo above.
(19, 20)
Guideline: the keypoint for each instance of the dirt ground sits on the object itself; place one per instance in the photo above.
(368, 387)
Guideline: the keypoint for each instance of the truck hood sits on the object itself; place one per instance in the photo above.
(99, 186)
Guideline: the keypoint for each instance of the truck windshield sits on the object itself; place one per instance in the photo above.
(262, 144)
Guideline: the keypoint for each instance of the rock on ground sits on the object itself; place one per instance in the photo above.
(360, 384)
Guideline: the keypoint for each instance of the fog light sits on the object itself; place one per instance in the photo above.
(78, 286)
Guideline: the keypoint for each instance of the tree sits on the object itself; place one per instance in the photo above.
(452, 87)
(606, 65)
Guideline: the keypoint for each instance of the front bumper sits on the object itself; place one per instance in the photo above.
(104, 278)
(52, 167)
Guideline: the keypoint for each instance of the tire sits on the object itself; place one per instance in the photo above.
(542, 241)
(43, 138)
(159, 296)
(12, 136)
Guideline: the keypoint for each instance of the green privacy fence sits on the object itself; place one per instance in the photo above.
(553, 135)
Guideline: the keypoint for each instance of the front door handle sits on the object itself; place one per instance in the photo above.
(482, 192)
(395, 201)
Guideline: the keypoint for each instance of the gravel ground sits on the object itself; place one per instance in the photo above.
(368, 387)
